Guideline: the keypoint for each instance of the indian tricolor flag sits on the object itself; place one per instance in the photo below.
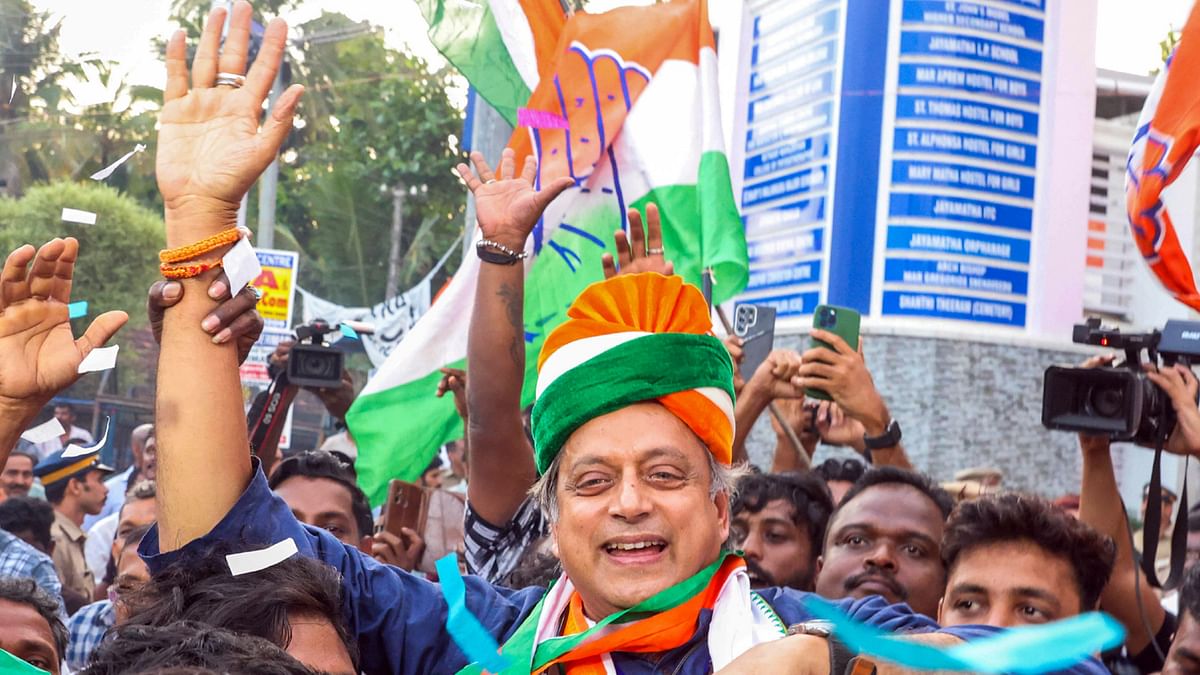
(625, 103)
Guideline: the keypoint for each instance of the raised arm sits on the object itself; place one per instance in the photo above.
(507, 208)
(842, 373)
(39, 356)
(210, 151)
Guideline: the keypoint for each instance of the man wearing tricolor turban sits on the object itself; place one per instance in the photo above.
(632, 428)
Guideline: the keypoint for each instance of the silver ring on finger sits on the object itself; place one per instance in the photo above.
(489, 181)
(655, 251)
(257, 293)
(231, 80)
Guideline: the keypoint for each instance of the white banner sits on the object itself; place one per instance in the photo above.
(392, 318)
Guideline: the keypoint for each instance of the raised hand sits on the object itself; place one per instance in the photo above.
(210, 148)
(507, 207)
(639, 252)
(454, 381)
(39, 354)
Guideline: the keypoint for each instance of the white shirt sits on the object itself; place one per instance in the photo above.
(47, 448)
(97, 548)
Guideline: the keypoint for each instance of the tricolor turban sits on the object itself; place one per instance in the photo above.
(630, 339)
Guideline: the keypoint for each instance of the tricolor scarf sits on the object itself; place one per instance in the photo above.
(740, 620)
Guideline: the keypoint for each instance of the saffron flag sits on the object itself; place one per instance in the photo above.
(1167, 136)
(626, 104)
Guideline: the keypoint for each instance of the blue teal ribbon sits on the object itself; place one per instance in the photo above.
(466, 630)
(77, 309)
(1028, 650)
(348, 331)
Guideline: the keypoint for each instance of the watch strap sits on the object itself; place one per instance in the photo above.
(889, 438)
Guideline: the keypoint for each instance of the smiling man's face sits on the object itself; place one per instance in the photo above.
(885, 541)
(635, 514)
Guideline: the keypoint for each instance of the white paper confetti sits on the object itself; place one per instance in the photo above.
(78, 450)
(256, 561)
(101, 358)
(13, 94)
(44, 431)
(108, 170)
(241, 265)
(78, 216)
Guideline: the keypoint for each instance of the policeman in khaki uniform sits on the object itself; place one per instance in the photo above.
(74, 482)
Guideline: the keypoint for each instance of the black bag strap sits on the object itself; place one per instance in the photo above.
(1153, 523)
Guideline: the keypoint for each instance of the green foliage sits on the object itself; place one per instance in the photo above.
(117, 262)
(117, 256)
(373, 118)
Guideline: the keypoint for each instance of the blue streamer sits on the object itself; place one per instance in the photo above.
(1029, 650)
(77, 309)
(470, 635)
(348, 332)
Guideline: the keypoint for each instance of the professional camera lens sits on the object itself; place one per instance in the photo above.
(314, 365)
(1106, 400)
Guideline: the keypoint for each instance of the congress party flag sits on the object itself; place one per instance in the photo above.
(626, 104)
(1167, 136)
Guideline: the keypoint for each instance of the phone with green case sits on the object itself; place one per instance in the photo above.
(840, 321)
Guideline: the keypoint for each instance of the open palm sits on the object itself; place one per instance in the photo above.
(40, 355)
(508, 207)
(210, 148)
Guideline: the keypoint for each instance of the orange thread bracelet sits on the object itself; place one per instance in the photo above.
(188, 270)
(175, 255)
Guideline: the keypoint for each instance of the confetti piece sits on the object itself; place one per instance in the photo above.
(12, 94)
(79, 451)
(77, 309)
(1028, 650)
(44, 431)
(466, 630)
(540, 119)
(101, 358)
(257, 561)
(241, 265)
(108, 170)
(14, 666)
(78, 216)
(348, 332)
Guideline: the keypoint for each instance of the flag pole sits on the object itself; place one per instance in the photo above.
(805, 463)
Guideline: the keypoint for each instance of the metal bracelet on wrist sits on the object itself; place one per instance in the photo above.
(498, 254)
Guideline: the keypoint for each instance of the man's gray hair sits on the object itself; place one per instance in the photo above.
(545, 490)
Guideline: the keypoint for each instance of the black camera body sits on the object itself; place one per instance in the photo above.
(1119, 401)
(312, 363)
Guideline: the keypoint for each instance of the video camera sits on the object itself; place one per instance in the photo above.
(1119, 401)
(311, 362)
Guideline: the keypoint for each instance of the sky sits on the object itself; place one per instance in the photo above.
(1127, 35)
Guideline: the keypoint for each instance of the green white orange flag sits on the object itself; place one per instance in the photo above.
(625, 103)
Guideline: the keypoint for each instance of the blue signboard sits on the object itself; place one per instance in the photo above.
(965, 144)
(783, 157)
(964, 160)
(799, 63)
(969, 48)
(790, 185)
(963, 177)
(791, 304)
(791, 245)
(964, 111)
(784, 275)
(945, 306)
(957, 275)
(974, 16)
(790, 216)
(957, 243)
(975, 80)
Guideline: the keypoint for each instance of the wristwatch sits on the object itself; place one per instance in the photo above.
(889, 438)
(497, 253)
(841, 659)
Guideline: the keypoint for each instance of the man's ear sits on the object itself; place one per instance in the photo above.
(366, 543)
(722, 503)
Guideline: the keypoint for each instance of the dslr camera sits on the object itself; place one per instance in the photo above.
(1119, 400)
(311, 362)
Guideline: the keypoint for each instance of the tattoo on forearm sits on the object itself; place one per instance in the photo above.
(512, 297)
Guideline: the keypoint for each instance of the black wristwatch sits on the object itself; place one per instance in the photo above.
(889, 438)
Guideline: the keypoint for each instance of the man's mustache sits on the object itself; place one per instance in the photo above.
(755, 570)
(859, 579)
